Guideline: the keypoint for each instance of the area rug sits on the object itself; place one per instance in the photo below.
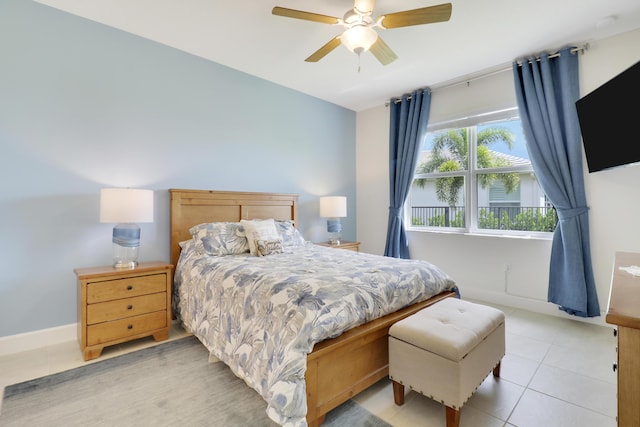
(171, 384)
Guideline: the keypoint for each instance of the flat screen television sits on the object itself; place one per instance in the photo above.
(609, 118)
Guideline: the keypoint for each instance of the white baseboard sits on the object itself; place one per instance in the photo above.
(38, 339)
(528, 304)
(44, 337)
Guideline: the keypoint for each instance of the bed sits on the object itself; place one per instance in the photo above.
(336, 368)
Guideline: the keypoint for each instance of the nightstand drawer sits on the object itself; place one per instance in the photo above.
(110, 331)
(125, 288)
(127, 307)
(350, 246)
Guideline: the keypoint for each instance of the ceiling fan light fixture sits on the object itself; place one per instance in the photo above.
(359, 38)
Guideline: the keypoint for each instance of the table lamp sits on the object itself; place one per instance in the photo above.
(333, 208)
(126, 207)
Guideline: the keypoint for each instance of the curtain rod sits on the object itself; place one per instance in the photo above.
(580, 49)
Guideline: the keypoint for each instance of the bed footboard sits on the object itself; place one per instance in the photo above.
(342, 367)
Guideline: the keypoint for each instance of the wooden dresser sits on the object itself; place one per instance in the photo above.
(624, 311)
(118, 305)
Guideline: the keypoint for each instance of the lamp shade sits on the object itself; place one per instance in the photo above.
(333, 207)
(126, 205)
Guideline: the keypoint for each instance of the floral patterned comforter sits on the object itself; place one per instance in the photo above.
(263, 315)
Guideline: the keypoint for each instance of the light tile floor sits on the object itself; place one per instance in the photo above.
(557, 372)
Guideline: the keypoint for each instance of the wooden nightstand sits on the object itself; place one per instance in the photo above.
(118, 305)
(350, 246)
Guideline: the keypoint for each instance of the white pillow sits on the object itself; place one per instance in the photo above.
(259, 230)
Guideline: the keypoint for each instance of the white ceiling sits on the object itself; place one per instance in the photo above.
(479, 37)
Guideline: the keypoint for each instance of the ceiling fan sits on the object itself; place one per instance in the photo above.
(360, 34)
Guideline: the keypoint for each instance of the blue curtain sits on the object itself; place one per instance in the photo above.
(408, 125)
(546, 92)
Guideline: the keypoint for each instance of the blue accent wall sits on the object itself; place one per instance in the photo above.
(84, 106)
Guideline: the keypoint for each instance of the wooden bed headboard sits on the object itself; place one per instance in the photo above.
(193, 207)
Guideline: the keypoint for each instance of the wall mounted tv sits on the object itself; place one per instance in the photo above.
(609, 121)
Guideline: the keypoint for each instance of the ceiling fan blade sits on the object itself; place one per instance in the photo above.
(425, 15)
(383, 52)
(324, 50)
(364, 6)
(308, 16)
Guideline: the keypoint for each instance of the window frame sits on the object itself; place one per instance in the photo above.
(470, 176)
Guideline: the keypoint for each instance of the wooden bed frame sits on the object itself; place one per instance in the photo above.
(338, 368)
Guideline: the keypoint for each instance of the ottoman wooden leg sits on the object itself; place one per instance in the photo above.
(453, 417)
(496, 370)
(398, 393)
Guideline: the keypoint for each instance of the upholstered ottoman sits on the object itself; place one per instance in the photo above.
(445, 352)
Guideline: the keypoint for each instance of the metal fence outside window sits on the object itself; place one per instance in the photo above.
(523, 218)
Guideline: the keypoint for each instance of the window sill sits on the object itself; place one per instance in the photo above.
(523, 236)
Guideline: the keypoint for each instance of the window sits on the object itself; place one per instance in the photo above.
(478, 177)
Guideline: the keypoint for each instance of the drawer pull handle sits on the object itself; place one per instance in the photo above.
(615, 367)
(129, 307)
(129, 326)
(129, 287)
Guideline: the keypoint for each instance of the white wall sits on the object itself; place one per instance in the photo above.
(613, 195)
(372, 178)
(511, 271)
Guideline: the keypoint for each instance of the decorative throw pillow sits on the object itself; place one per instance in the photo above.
(290, 235)
(259, 230)
(269, 247)
(220, 238)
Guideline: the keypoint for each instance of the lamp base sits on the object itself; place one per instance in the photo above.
(334, 240)
(334, 227)
(125, 256)
(125, 264)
